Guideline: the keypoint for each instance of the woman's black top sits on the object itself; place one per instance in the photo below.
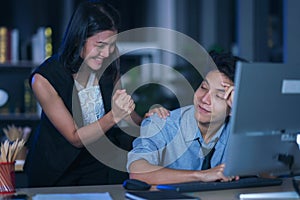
(50, 155)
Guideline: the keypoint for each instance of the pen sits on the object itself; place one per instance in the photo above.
(166, 187)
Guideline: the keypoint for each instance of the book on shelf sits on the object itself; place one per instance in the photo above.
(30, 103)
(14, 52)
(3, 44)
(41, 44)
(9, 45)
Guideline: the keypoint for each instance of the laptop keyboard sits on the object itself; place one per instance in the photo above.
(206, 186)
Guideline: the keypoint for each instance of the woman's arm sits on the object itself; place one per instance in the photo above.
(60, 117)
(136, 119)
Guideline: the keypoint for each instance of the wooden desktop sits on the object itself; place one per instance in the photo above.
(117, 192)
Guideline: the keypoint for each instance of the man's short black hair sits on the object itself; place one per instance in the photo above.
(226, 62)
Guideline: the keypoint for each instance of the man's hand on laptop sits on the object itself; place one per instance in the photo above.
(216, 174)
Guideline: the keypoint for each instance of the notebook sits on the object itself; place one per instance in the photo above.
(145, 195)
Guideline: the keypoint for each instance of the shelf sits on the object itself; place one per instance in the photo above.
(19, 117)
(14, 81)
(19, 120)
(21, 64)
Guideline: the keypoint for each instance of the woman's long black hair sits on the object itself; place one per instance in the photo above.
(89, 18)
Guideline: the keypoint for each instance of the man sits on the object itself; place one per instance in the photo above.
(189, 145)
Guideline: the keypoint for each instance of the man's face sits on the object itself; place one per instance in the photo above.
(209, 102)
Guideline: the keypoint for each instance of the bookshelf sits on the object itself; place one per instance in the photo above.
(21, 108)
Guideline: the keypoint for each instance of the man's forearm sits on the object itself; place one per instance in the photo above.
(153, 175)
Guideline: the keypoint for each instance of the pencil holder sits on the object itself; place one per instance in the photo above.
(7, 177)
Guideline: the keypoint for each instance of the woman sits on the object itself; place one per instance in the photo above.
(80, 102)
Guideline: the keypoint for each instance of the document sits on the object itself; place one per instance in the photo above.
(81, 196)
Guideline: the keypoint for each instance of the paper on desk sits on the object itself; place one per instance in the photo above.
(82, 196)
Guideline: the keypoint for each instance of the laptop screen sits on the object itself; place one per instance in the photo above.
(265, 120)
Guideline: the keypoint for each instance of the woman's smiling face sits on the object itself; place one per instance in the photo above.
(99, 47)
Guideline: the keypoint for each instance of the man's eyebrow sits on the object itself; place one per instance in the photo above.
(102, 42)
(205, 80)
(218, 89)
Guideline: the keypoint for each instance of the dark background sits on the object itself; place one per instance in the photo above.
(222, 18)
(28, 15)
(215, 24)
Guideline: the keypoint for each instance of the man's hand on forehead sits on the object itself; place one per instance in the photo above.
(229, 92)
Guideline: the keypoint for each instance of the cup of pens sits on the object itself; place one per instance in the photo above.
(9, 152)
(7, 177)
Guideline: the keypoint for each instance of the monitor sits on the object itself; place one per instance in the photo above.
(265, 121)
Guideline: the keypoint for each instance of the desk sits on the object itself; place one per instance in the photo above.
(118, 193)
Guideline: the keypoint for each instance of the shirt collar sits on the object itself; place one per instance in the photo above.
(194, 133)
